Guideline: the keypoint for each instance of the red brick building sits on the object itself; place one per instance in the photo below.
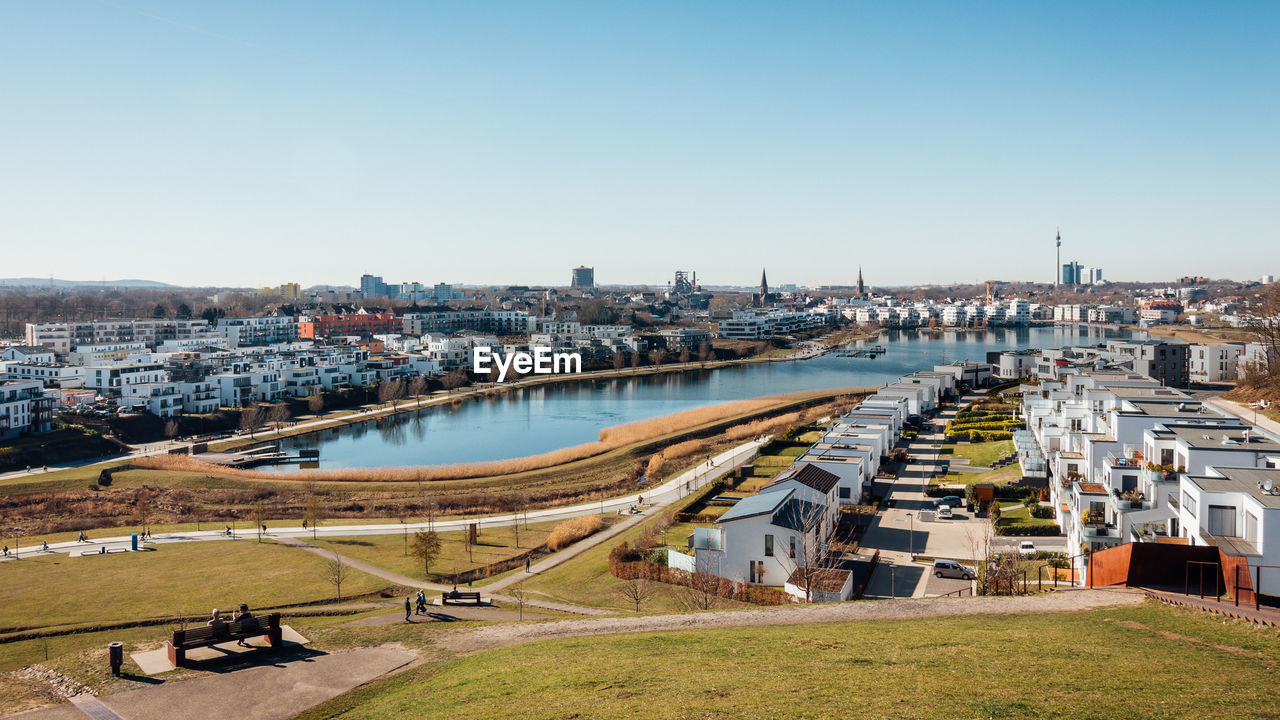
(319, 327)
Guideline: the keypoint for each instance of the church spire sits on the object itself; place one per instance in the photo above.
(764, 284)
(861, 288)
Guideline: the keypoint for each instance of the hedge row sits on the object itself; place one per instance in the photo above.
(979, 435)
(1032, 530)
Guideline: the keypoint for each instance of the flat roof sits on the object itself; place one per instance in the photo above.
(1092, 488)
(1188, 408)
(1242, 480)
(1213, 437)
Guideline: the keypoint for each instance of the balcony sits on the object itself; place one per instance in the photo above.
(1100, 532)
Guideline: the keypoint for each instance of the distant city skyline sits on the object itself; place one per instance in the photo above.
(244, 145)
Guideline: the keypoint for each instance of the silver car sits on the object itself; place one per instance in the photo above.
(953, 569)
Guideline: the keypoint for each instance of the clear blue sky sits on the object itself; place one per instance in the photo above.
(246, 143)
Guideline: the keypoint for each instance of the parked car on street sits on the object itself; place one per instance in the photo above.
(953, 569)
(1026, 547)
(952, 500)
(944, 512)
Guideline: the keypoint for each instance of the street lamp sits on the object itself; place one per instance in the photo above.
(911, 535)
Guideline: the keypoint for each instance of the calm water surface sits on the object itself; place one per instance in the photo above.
(536, 420)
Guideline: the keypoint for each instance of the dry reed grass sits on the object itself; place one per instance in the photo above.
(571, 531)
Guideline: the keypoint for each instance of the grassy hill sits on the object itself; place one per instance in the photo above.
(1146, 661)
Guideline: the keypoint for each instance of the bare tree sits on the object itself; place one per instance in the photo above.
(391, 391)
(1263, 319)
(171, 429)
(702, 592)
(618, 359)
(250, 418)
(521, 596)
(637, 591)
(336, 572)
(143, 507)
(314, 514)
(315, 402)
(519, 501)
(416, 387)
(806, 551)
(426, 547)
(278, 415)
(259, 514)
(455, 378)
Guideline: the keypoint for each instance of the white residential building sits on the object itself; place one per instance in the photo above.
(25, 407)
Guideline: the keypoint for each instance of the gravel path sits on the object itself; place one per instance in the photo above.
(496, 636)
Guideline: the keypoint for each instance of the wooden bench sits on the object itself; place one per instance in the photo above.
(458, 597)
(267, 626)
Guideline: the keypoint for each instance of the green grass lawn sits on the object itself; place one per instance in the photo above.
(979, 454)
(173, 579)
(1003, 476)
(1022, 516)
(1137, 665)
(493, 544)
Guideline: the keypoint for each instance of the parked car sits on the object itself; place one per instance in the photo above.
(944, 512)
(952, 500)
(953, 569)
(1026, 547)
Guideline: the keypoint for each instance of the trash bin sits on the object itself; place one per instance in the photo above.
(115, 652)
(133, 542)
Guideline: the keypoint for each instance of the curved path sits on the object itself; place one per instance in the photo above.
(656, 498)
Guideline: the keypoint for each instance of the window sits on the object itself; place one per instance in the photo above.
(757, 571)
(1189, 503)
(793, 546)
(1222, 520)
(1251, 527)
(844, 493)
(768, 546)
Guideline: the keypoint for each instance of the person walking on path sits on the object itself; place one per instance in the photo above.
(526, 565)
(408, 609)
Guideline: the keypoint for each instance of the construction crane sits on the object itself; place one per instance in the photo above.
(989, 295)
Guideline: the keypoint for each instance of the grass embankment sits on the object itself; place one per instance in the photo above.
(69, 500)
(980, 454)
(57, 593)
(585, 579)
(1021, 517)
(1002, 476)
(493, 544)
(1011, 666)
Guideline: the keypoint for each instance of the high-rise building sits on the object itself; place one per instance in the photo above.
(372, 286)
(583, 277)
(1071, 273)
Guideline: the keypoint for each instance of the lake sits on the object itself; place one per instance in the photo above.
(536, 420)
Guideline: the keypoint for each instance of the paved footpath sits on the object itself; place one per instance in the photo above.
(266, 692)
(655, 498)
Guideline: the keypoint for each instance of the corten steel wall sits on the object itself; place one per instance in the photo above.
(1245, 577)
(1153, 564)
(1110, 566)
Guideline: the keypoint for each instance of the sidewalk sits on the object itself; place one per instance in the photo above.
(1246, 413)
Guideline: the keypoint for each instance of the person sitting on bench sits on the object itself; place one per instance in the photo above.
(240, 615)
(216, 621)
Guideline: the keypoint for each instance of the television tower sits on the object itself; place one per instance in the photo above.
(1057, 268)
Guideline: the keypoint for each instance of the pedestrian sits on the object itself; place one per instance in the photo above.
(6, 551)
(526, 565)
(45, 545)
(304, 524)
(408, 608)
